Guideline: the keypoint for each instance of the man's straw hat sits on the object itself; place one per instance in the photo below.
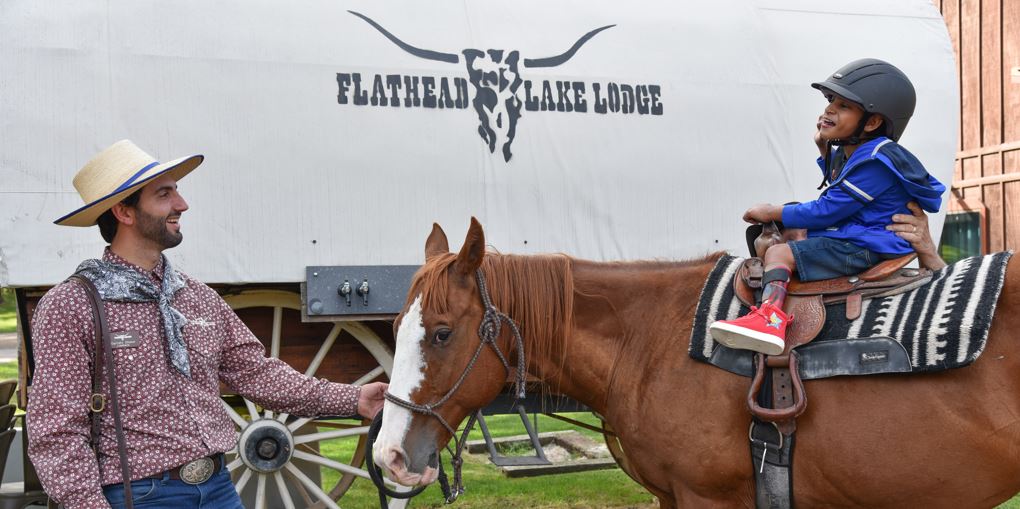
(114, 174)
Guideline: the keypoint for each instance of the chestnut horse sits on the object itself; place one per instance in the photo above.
(614, 336)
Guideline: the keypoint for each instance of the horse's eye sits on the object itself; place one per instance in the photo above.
(441, 336)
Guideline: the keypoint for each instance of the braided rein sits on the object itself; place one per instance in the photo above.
(488, 332)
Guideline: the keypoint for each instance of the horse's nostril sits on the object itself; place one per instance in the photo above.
(434, 460)
(396, 460)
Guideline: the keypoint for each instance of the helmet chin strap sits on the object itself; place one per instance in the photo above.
(855, 139)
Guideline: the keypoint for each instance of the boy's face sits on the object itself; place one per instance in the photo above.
(840, 118)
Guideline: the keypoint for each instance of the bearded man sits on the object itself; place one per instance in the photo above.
(172, 340)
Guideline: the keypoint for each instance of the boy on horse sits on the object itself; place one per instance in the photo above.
(870, 178)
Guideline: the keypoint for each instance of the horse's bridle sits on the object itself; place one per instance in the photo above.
(488, 332)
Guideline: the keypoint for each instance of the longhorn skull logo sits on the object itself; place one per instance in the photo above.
(496, 78)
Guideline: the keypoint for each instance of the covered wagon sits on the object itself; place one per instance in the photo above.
(336, 132)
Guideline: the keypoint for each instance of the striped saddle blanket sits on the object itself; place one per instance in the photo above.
(942, 325)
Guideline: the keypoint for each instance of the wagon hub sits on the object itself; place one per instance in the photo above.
(268, 448)
(266, 445)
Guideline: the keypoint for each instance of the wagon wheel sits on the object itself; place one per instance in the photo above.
(272, 441)
(616, 450)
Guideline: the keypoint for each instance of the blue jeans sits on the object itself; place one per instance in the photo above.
(825, 258)
(216, 493)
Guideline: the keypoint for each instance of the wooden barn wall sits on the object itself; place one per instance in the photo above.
(986, 40)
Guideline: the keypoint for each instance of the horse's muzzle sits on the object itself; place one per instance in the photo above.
(393, 460)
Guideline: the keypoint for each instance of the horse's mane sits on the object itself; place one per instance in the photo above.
(536, 291)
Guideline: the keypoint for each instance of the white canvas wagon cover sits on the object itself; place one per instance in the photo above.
(335, 132)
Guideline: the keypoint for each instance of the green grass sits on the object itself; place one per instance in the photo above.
(487, 487)
(8, 313)
(8, 370)
(516, 449)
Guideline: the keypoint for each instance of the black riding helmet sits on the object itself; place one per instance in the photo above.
(878, 87)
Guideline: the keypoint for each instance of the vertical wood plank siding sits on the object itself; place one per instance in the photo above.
(986, 40)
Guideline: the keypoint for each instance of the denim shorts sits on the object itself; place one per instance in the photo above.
(824, 258)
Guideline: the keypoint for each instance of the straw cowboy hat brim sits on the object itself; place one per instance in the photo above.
(114, 174)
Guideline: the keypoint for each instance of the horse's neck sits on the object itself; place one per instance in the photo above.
(622, 311)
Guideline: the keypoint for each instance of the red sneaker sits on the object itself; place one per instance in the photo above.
(762, 330)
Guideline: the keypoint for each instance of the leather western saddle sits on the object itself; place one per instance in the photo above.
(805, 303)
(772, 451)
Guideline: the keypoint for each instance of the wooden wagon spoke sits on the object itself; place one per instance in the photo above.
(233, 465)
(337, 425)
(274, 348)
(281, 488)
(298, 423)
(326, 435)
(282, 417)
(268, 414)
(305, 496)
(372, 342)
(323, 350)
(335, 465)
(260, 492)
(371, 375)
(253, 412)
(234, 416)
(306, 447)
(243, 480)
(312, 486)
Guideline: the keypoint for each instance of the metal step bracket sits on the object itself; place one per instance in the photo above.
(514, 461)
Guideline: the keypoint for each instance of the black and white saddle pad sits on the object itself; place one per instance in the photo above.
(942, 325)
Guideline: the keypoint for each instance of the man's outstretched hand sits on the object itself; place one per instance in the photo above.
(371, 400)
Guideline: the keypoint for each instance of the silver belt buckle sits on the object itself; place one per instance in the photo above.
(198, 471)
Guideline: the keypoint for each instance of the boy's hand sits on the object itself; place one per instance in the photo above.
(764, 213)
(819, 141)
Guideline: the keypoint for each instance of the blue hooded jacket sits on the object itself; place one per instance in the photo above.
(876, 182)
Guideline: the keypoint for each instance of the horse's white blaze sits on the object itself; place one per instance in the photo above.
(408, 373)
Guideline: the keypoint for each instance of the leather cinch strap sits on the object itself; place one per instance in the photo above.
(772, 458)
(97, 403)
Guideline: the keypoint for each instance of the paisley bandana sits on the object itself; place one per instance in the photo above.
(117, 282)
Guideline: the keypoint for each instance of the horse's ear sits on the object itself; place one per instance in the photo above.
(471, 254)
(437, 243)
